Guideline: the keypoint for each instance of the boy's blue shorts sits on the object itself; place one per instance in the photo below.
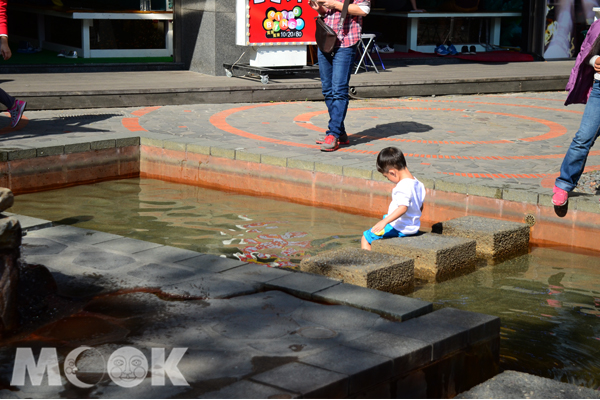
(389, 232)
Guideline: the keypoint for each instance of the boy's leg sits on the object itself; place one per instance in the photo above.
(6, 99)
(364, 244)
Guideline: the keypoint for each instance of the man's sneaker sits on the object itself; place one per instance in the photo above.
(441, 50)
(387, 49)
(560, 197)
(16, 112)
(452, 50)
(331, 143)
(464, 50)
(472, 50)
(343, 139)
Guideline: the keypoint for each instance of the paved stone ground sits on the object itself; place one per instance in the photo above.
(513, 139)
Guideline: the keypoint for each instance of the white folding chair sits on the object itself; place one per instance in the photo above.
(363, 51)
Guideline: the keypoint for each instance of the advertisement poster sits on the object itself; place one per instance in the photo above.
(567, 22)
(281, 22)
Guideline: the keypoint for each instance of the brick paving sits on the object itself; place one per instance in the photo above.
(512, 139)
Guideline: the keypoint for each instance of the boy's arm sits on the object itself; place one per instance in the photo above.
(397, 213)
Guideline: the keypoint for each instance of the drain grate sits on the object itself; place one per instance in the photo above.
(88, 117)
(530, 219)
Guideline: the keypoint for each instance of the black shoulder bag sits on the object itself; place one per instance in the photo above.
(325, 36)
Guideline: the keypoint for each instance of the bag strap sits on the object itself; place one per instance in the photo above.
(344, 13)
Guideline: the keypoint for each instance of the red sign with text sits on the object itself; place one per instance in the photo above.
(281, 21)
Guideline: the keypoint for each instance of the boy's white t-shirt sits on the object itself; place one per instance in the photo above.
(409, 193)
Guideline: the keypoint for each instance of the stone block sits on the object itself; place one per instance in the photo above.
(127, 142)
(7, 199)
(211, 263)
(77, 147)
(71, 234)
(249, 390)
(371, 370)
(484, 191)
(223, 153)
(210, 287)
(496, 239)
(387, 305)
(10, 234)
(30, 223)
(255, 273)
(50, 151)
(364, 268)
(126, 245)
(519, 385)
(167, 254)
(406, 353)
(437, 257)
(307, 380)
(301, 284)
(22, 154)
(446, 331)
(103, 144)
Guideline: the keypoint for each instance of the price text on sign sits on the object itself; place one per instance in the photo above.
(281, 21)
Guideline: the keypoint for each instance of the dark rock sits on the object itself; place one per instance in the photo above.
(7, 199)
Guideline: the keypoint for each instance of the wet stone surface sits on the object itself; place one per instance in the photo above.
(364, 268)
(246, 329)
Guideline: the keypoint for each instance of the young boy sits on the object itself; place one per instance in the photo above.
(404, 212)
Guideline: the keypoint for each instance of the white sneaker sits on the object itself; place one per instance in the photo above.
(387, 49)
(72, 54)
(375, 48)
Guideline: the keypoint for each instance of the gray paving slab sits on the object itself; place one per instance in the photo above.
(249, 390)
(519, 385)
(363, 369)
(444, 335)
(127, 245)
(210, 287)
(211, 263)
(30, 223)
(389, 305)
(256, 273)
(307, 380)
(406, 353)
(301, 284)
(70, 234)
(167, 254)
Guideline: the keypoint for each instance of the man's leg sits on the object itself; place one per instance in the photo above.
(6, 99)
(576, 157)
(342, 67)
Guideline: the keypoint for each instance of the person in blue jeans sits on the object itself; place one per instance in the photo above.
(586, 65)
(335, 68)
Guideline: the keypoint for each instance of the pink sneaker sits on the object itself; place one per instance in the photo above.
(16, 112)
(560, 197)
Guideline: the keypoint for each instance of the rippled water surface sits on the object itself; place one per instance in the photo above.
(548, 300)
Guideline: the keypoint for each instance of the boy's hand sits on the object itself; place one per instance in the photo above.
(378, 227)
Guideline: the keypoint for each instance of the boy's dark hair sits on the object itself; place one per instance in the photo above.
(390, 157)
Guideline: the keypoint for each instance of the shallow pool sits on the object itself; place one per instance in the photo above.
(548, 300)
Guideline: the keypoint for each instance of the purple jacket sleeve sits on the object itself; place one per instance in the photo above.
(581, 78)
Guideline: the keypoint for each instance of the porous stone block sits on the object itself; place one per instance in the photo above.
(364, 268)
(496, 239)
(7, 199)
(437, 257)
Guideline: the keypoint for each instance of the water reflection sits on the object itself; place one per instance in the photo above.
(549, 304)
(548, 300)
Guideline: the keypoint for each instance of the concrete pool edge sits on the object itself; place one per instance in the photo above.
(398, 357)
(351, 188)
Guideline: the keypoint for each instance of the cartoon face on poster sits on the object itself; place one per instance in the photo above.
(281, 22)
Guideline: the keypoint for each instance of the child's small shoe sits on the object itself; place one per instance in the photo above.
(381, 233)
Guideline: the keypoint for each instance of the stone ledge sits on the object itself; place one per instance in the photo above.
(364, 268)
(437, 257)
(387, 305)
(497, 240)
(301, 284)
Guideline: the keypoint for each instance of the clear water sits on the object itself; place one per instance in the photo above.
(548, 300)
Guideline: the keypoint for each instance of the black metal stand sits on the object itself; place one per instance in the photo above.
(264, 72)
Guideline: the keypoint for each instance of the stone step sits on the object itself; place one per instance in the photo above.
(364, 268)
(497, 240)
(437, 257)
